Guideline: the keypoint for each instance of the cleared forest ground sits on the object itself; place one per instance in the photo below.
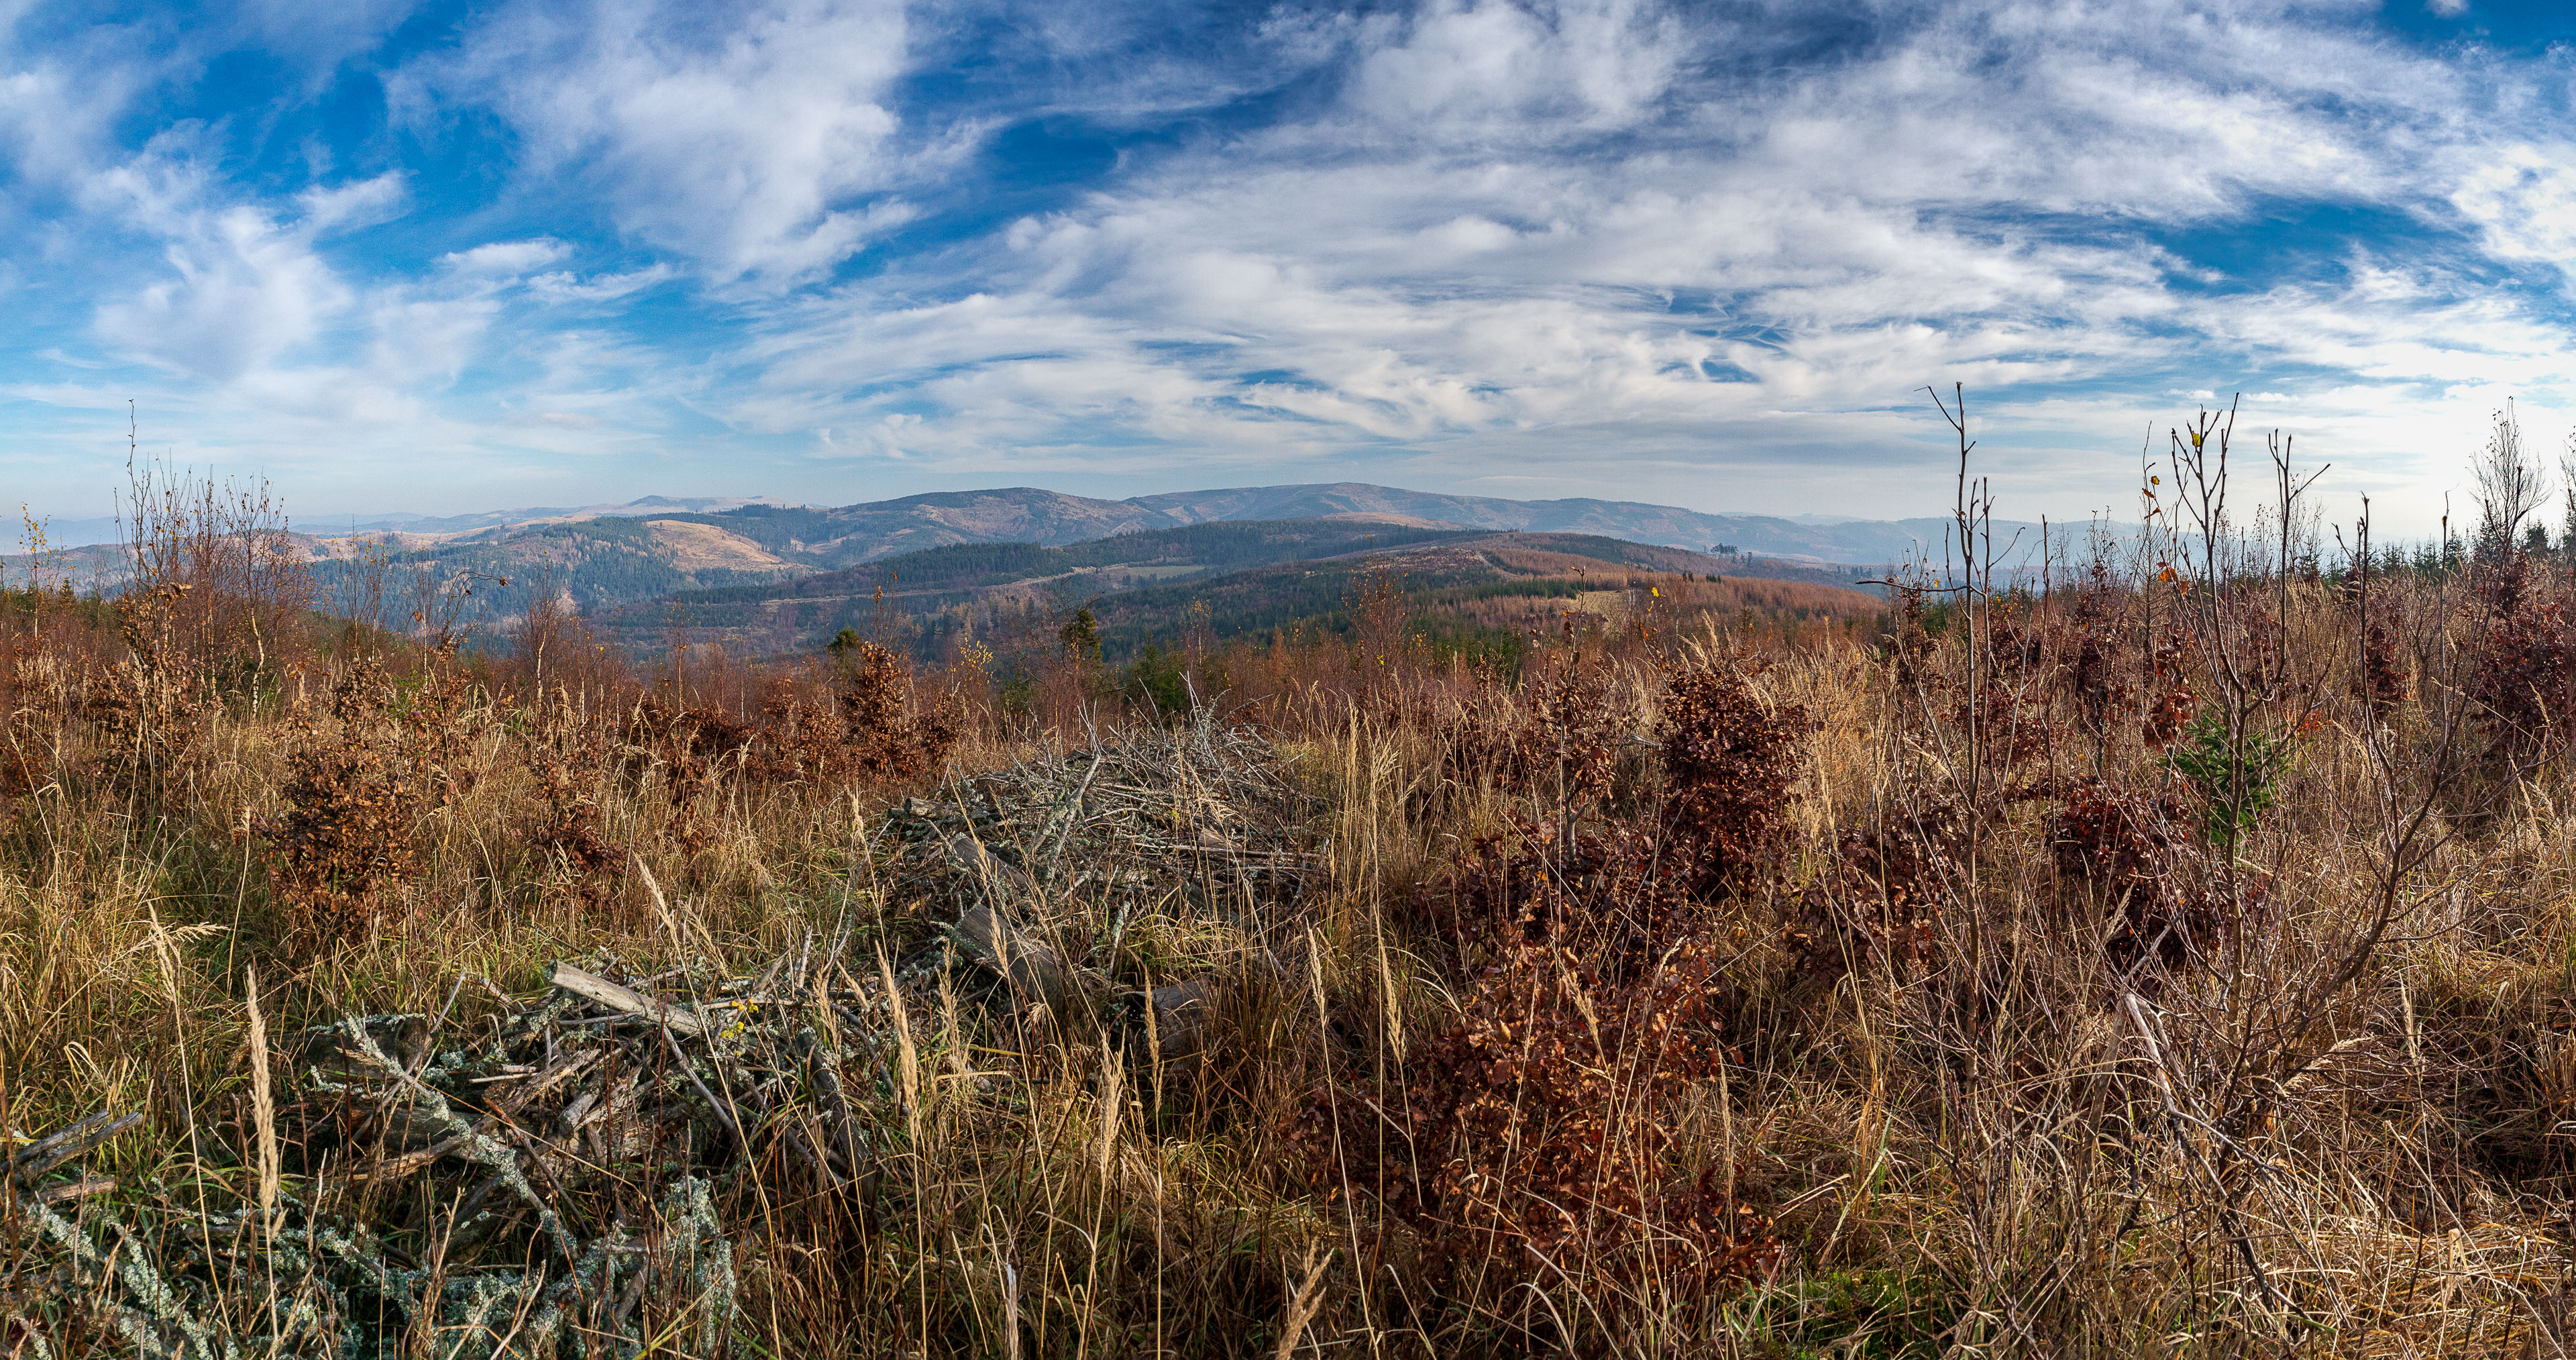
(2178, 963)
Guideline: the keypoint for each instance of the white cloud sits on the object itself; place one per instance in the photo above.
(1698, 254)
(749, 138)
(321, 32)
(505, 259)
(243, 292)
(242, 287)
(2522, 196)
(1450, 255)
(1486, 68)
(567, 287)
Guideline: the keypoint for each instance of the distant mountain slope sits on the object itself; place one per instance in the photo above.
(1198, 548)
(648, 507)
(1228, 577)
(798, 614)
(1488, 590)
(854, 535)
(1618, 519)
(1858, 542)
(600, 564)
(609, 562)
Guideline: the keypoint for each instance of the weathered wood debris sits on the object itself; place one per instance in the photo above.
(571, 1174)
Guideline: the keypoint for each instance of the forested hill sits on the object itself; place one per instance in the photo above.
(1195, 550)
(1215, 580)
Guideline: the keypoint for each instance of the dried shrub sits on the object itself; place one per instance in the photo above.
(2011, 727)
(38, 708)
(360, 792)
(688, 745)
(2525, 673)
(2168, 714)
(568, 759)
(1555, 1109)
(2132, 851)
(1559, 737)
(1909, 636)
(2381, 682)
(888, 731)
(145, 703)
(232, 586)
(1880, 899)
(868, 726)
(1376, 604)
(1730, 763)
(2093, 677)
(1540, 1138)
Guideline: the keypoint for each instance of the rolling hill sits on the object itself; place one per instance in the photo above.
(615, 557)
(1215, 581)
(606, 563)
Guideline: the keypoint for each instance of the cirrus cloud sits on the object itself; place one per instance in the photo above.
(826, 249)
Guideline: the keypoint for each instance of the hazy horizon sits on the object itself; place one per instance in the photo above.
(449, 258)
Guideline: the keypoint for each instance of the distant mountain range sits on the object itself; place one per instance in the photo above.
(1224, 579)
(854, 534)
(83, 533)
(771, 574)
(825, 538)
(864, 533)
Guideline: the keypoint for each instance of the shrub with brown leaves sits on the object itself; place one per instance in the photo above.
(2136, 852)
(1539, 1138)
(146, 703)
(360, 792)
(2525, 676)
(1731, 761)
(868, 726)
(568, 758)
(1559, 737)
(1880, 899)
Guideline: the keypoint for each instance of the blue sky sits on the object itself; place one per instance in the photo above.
(443, 257)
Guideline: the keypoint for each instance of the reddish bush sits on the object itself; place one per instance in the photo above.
(2135, 851)
(2093, 676)
(1882, 896)
(1537, 1139)
(2525, 676)
(358, 797)
(568, 758)
(1730, 762)
(2381, 682)
(1538, 1135)
(870, 726)
(1560, 737)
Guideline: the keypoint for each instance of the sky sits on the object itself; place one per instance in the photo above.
(444, 257)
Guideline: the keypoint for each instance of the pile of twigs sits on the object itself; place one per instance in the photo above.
(556, 1181)
(537, 1190)
(1051, 864)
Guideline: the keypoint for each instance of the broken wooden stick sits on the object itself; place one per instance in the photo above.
(59, 1147)
(632, 1002)
(1033, 968)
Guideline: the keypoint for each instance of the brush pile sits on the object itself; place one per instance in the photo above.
(1079, 876)
(571, 1175)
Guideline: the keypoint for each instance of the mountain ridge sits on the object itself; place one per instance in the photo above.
(808, 537)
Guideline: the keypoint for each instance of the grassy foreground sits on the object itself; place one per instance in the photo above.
(2177, 962)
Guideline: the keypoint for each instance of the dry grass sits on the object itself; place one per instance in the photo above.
(2166, 967)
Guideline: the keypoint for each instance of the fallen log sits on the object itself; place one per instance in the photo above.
(618, 998)
(54, 1149)
(1036, 972)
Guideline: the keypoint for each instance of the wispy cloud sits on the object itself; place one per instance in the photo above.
(749, 139)
(825, 250)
